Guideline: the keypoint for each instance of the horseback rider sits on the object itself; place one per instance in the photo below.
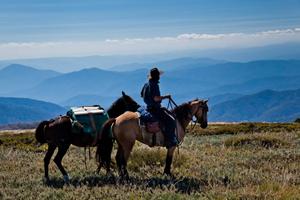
(152, 97)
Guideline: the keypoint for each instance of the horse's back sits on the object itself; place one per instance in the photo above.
(126, 127)
(126, 117)
(58, 129)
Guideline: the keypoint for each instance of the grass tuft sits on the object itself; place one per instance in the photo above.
(238, 128)
(264, 140)
(24, 141)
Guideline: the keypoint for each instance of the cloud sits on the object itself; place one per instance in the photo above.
(195, 36)
(113, 46)
(297, 29)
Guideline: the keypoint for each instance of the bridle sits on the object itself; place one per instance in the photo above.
(195, 121)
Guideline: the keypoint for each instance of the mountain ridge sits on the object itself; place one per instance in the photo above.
(261, 106)
(17, 77)
(23, 110)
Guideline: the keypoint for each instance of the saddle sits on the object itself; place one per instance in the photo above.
(151, 128)
(151, 123)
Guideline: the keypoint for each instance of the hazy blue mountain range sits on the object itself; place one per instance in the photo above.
(104, 101)
(241, 78)
(184, 84)
(256, 85)
(170, 65)
(268, 105)
(234, 72)
(67, 64)
(221, 83)
(88, 81)
(21, 110)
(223, 98)
(14, 78)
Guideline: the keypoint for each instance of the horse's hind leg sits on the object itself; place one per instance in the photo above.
(122, 163)
(50, 151)
(122, 156)
(120, 160)
(62, 150)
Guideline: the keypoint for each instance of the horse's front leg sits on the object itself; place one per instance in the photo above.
(169, 159)
(99, 167)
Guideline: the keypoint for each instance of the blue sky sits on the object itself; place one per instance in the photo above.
(43, 26)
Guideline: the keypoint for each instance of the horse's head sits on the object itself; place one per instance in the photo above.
(199, 109)
(122, 104)
(130, 104)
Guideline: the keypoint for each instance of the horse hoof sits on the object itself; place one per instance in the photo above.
(66, 179)
(169, 175)
(46, 180)
(167, 172)
(124, 179)
(110, 177)
(109, 174)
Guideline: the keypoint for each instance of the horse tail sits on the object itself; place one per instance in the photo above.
(105, 143)
(40, 132)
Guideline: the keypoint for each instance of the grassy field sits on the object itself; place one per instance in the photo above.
(224, 161)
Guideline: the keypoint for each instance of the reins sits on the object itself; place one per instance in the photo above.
(171, 101)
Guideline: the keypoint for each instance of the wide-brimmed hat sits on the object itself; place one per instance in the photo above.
(154, 72)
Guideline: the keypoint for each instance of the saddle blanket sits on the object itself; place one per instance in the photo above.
(145, 115)
(150, 128)
(152, 139)
(147, 119)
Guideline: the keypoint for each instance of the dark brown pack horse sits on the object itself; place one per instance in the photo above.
(58, 134)
(126, 130)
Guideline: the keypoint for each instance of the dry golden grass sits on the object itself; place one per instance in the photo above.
(262, 163)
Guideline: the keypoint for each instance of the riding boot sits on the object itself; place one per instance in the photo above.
(171, 141)
(170, 136)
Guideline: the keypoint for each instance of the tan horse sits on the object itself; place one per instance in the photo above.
(126, 129)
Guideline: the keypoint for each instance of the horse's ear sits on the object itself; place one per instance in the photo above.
(123, 93)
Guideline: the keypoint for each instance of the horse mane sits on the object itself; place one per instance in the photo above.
(114, 107)
(115, 103)
(122, 104)
(182, 111)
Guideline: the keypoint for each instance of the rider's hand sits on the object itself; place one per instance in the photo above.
(168, 96)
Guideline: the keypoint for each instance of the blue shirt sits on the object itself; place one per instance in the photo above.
(149, 91)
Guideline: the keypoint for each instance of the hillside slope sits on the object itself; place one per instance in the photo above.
(17, 77)
(267, 105)
(21, 110)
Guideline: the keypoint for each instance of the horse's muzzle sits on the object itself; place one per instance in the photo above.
(203, 125)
